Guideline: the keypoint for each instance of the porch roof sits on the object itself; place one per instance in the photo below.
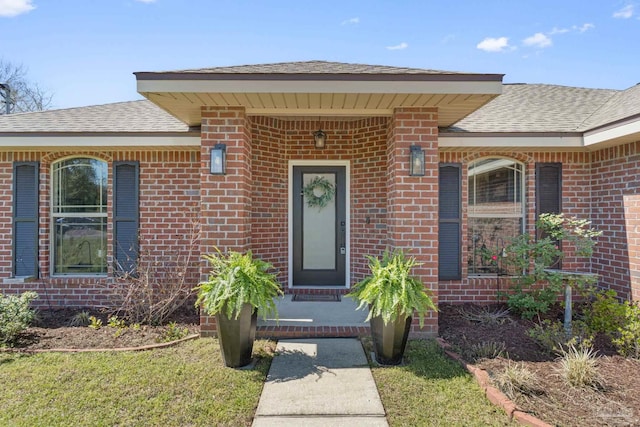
(318, 88)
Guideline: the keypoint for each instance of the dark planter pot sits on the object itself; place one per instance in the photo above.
(236, 336)
(390, 340)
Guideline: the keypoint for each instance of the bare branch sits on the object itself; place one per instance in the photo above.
(22, 94)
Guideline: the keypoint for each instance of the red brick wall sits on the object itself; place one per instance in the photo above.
(575, 201)
(414, 226)
(616, 211)
(276, 142)
(169, 191)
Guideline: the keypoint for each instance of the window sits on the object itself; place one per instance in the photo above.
(496, 212)
(79, 216)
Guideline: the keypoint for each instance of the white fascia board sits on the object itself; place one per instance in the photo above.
(87, 141)
(318, 86)
(454, 141)
(603, 135)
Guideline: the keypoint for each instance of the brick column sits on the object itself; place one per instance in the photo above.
(413, 200)
(225, 200)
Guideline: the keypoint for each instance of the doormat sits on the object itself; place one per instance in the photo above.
(316, 297)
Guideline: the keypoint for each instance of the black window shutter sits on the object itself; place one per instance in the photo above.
(449, 254)
(549, 193)
(548, 188)
(25, 219)
(125, 216)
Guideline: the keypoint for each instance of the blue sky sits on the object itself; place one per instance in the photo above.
(85, 51)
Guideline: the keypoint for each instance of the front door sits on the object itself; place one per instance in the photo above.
(319, 225)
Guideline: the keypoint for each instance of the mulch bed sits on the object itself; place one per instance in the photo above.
(52, 330)
(617, 403)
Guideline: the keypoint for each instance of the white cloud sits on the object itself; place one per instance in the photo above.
(355, 20)
(624, 13)
(146, 1)
(400, 46)
(10, 8)
(557, 30)
(584, 27)
(491, 44)
(538, 40)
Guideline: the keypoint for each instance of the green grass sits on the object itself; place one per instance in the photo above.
(432, 390)
(179, 386)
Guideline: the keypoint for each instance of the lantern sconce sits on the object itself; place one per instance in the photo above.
(319, 138)
(416, 165)
(219, 159)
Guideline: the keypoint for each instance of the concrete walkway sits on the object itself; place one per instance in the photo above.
(320, 382)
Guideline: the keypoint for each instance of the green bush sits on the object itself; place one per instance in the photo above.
(618, 320)
(606, 314)
(15, 316)
(535, 288)
(552, 336)
(627, 340)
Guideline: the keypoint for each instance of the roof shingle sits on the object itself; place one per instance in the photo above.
(121, 117)
(536, 108)
(311, 67)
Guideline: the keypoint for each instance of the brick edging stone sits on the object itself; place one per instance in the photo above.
(494, 395)
(97, 350)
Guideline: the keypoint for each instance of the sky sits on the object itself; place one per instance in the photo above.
(84, 52)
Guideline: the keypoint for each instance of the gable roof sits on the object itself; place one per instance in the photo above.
(121, 117)
(318, 88)
(309, 68)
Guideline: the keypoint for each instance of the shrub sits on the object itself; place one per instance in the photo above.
(552, 336)
(82, 318)
(618, 320)
(159, 285)
(535, 288)
(517, 379)
(627, 340)
(485, 350)
(579, 367)
(487, 316)
(606, 314)
(15, 316)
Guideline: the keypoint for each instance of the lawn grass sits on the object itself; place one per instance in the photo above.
(432, 390)
(179, 386)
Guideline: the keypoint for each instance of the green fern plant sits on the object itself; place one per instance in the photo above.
(237, 279)
(390, 291)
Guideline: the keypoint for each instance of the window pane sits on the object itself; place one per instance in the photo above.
(80, 186)
(81, 244)
(495, 212)
(495, 187)
(79, 208)
(487, 238)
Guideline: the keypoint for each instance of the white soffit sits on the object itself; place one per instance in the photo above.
(184, 98)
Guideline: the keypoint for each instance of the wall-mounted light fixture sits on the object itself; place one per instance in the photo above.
(416, 165)
(320, 138)
(219, 159)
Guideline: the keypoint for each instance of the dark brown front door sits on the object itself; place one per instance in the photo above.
(319, 232)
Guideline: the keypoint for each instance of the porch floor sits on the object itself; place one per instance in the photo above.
(302, 319)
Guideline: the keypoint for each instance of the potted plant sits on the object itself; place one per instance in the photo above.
(239, 286)
(392, 295)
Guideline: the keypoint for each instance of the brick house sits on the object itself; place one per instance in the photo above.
(451, 165)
